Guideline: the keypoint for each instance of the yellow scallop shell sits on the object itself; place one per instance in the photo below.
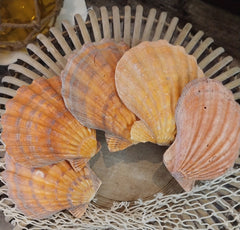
(149, 80)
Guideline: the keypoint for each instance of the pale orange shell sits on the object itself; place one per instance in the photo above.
(149, 80)
(208, 133)
(39, 130)
(39, 193)
(88, 89)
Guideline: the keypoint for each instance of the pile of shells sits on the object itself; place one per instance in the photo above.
(153, 92)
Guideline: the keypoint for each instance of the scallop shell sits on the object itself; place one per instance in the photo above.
(39, 193)
(208, 133)
(88, 89)
(38, 129)
(149, 80)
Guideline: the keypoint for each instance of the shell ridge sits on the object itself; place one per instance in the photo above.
(183, 66)
(169, 156)
(22, 153)
(27, 127)
(79, 210)
(38, 204)
(215, 147)
(231, 141)
(200, 134)
(160, 79)
(122, 96)
(63, 122)
(142, 86)
(40, 108)
(78, 164)
(216, 117)
(188, 147)
(20, 196)
(212, 143)
(117, 105)
(51, 108)
(177, 81)
(170, 77)
(116, 143)
(40, 124)
(44, 90)
(120, 126)
(68, 70)
(158, 76)
(86, 83)
(93, 75)
(179, 111)
(140, 132)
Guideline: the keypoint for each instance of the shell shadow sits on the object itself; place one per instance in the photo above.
(141, 152)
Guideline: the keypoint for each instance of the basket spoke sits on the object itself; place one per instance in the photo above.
(105, 22)
(171, 29)
(37, 51)
(236, 96)
(231, 72)
(213, 55)
(160, 25)
(3, 100)
(127, 25)
(149, 24)
(2, 148)
(46, 72)
(221, 64)
(116, 24)
(82, 27)
(72, 34)
(204, 45)
(14, 81)
(233, 84)
(61, 40)
(95, 26)
(183, 35)
(8, 91)
(21, 69)
(137, 25)
(195, 39)
(2, 111)
(51, 49)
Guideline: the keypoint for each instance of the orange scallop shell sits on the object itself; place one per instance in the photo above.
(88, 89)
(208, 133)
(149, 80)
(38, 129)
(40, 192)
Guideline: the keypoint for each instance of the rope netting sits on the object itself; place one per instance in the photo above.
(210, 205)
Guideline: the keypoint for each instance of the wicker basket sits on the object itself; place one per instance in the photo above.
(211, 205)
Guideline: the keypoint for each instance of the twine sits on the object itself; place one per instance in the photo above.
(35, 25)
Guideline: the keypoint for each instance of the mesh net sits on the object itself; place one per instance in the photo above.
(210, 205)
